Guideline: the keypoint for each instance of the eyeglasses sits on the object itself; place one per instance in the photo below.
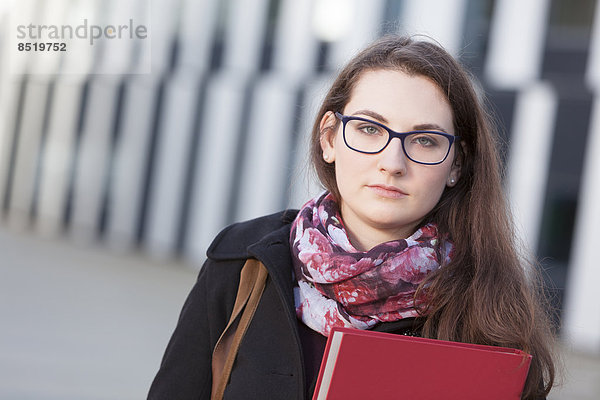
(370, 137)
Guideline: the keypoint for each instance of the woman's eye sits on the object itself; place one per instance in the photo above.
(425, 140)
(370, 130)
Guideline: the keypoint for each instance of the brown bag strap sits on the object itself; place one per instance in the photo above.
(252, 283)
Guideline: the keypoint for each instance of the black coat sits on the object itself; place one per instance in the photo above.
(270, 362)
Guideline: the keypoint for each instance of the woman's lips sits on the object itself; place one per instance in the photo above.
(389, 192)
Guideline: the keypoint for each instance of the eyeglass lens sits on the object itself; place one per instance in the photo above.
(425, 147)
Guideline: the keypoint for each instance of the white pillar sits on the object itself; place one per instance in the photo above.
(38, 13)
(581, 324)
(529, 158)
(295, 46)
(305, 184)
(79, 57)
(198, 21)
(10, 92)
(131, 160)
(442, 20)
(516, 42)
(29, 141)
(117, 52)
(55, 170)
(244, 34)
(266, 169)
(164, 19)
(7, 98)
(363, 27)
(93, 157)
(170, 163)
(593, 67)
(215, 166)
(29, 137)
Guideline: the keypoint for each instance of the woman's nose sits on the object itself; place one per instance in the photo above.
(392, 159)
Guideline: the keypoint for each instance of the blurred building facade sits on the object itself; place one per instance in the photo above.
(217, 131)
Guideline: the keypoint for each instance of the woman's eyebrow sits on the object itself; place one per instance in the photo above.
(429, 127)
(383, 120)
(372, 114)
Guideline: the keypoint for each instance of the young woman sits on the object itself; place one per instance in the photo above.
(412, 236)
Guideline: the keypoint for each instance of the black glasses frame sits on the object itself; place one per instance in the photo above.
(393, 134)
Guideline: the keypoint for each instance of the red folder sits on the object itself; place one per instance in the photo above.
(374, 365)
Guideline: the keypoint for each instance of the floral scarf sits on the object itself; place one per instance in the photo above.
(341, 286)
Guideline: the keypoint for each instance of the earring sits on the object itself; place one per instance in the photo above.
(452, 181)
(325, 157)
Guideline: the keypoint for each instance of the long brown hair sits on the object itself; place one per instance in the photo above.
(488, 293)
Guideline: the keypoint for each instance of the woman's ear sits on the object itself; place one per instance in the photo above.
(455, 170)
(327, 139)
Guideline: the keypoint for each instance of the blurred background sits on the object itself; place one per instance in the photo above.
(121, 159)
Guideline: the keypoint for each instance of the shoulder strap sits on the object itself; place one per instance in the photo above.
(252, 283)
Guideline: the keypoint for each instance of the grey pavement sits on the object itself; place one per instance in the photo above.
(82, 322)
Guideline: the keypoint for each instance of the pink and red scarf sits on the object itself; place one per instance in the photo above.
(341, 286)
